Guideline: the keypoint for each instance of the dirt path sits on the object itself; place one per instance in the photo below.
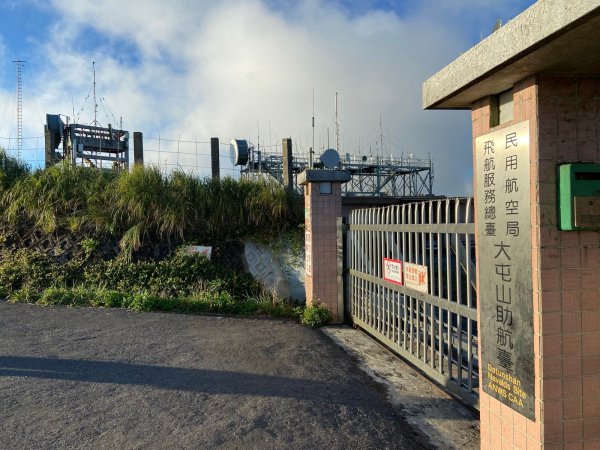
(78, 377)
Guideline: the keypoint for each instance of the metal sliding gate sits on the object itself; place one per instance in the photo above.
(428, 315)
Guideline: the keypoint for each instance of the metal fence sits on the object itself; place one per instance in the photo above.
(168, 154)
(433, 324)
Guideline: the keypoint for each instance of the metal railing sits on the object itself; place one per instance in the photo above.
(434, 324)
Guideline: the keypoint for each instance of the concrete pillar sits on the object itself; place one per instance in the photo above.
(563, 118)
(214, 158)
(288, 175)
(138, 148)
(323, 245)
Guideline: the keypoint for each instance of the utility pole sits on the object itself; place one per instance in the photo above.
(19, 63)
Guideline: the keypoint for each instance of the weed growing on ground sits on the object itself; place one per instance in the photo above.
(221, 302)
(315, 316)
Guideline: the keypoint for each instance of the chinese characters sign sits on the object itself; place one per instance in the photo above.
(392, 270)
(415, 277)
(504, 260)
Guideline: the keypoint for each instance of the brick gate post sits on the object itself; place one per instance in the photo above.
(323, 206)
(536, 137)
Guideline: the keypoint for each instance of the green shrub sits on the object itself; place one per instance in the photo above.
(36, 270)
(179, 275)
(77, 296)
(204, 302)
(26, 294)
(89, 246)
(315, 316)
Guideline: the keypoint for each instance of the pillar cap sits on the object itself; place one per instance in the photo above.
(324, 176)
(551, 37)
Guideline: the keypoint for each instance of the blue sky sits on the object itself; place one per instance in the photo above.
(190, 70)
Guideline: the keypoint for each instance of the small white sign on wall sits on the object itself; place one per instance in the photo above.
(198, 250)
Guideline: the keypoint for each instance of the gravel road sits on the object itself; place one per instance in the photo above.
(98, 378)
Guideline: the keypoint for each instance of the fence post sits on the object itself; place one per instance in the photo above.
(214, 158)
(138, 148)
(49, 154)
(286, 146)
(324, 245)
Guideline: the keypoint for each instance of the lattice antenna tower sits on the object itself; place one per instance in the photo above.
(19, 63)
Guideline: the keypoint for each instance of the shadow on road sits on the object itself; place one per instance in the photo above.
(175, 378)
(185, 379)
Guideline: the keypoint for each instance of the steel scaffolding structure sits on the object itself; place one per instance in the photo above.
(86, 145)
(406, 176)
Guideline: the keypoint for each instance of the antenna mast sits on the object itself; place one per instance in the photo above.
(19, 63)
(95, 123)
(312, 150)
(337, 125)
(380, 137)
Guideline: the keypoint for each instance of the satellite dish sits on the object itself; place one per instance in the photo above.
(364, 158)
(239, 152)
(330, 158)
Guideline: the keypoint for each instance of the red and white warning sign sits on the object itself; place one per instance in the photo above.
(392, 270)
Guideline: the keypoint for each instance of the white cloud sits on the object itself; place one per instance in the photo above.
(206, 69)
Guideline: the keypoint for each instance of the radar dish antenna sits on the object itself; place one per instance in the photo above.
(330, 158)
(239, 152)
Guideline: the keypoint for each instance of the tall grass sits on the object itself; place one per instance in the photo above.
(62, 196)
(144, 204)
(11, 170)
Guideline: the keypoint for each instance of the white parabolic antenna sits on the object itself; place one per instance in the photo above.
(239, 152)
(330, 158)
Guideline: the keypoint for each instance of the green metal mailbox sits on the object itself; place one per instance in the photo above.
(579, 196)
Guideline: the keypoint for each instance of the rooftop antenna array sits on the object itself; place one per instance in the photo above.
(19, 64)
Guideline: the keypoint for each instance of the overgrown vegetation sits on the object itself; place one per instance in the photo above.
(144, 205)
(181, 283)
(133, 213)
